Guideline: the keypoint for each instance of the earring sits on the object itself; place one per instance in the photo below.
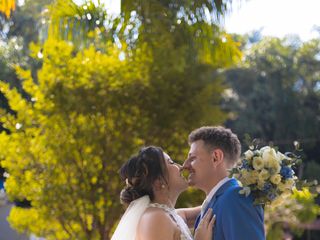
(163, 186)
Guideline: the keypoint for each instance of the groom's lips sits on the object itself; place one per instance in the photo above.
(190, 175)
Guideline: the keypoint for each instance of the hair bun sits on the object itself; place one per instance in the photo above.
(128, 195)
(140, 172)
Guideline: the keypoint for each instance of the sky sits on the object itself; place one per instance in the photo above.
(275, 17)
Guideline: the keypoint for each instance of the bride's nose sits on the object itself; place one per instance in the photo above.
(181, 168)
(186, 164)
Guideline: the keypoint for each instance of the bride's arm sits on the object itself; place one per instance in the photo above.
(189, 215)
(155, 225)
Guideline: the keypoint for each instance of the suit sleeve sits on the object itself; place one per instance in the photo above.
(241, 220)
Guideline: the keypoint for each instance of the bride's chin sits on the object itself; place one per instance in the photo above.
(184, 187)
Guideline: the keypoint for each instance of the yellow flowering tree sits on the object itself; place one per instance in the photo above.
(85, 115)
(65, 142)
(89, 108)
(6, 6)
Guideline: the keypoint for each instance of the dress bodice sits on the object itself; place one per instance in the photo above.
(185, 232)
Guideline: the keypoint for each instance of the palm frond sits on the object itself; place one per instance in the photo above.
(76, 23)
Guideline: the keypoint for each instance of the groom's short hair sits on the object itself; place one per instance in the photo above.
(218, 137)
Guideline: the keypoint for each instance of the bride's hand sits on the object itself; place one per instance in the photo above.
(205, 228)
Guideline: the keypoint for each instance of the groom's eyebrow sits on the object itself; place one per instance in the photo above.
(191, 154)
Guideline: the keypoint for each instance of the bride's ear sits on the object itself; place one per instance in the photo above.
(159, 184)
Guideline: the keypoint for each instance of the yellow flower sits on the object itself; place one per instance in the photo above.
(286, 194)
(254, 174)
(260, 184)
(274, 165)
(252, 177)
(281, 187)
(275, 179)
(257, 163)
(289, 183)
(264, 175)
(248, 177)
(278, 201)
(245, 177)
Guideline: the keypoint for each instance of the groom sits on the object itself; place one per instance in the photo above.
(214, 150)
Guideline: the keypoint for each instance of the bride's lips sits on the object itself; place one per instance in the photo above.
(191, 174)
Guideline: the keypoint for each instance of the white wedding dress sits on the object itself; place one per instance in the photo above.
(185, 232)
(126, 229)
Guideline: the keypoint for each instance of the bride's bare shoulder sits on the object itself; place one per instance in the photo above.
(155, 216)
(156, 224)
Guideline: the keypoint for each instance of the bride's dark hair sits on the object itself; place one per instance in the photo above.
(140, 172)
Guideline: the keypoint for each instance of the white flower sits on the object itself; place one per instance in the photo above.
(269, 154)
(260, 174)
(245, 190)
(265, 148)
(281, 156)
(248, 154)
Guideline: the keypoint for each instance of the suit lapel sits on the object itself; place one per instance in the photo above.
(231, 183)
(197, 222)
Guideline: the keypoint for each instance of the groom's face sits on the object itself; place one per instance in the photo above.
(199, 165)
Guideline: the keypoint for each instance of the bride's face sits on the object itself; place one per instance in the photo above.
(176, 181)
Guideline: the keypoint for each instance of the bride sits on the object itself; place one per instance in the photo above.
(153, 184)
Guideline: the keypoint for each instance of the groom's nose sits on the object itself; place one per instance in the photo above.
(186, 164)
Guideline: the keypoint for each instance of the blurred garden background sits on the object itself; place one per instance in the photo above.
(82, 88)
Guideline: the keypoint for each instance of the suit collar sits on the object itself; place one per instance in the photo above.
(224, 187)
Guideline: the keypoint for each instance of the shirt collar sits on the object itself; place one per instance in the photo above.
(216, 188)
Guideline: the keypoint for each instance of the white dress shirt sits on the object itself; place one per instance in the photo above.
(212, 192)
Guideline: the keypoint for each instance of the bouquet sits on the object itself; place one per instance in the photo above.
(266, 174)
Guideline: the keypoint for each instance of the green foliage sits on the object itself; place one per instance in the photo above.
(290, 210)
(86, 115)
(23, 27)
(77, 23)
(89, 108)
(312, 170)
(310, 210)
(67, 143)
(275, 233)
(274, 94)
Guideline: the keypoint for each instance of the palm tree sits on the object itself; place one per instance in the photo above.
(77, 23)
(81, 24)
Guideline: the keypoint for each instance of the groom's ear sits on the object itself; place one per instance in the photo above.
(217, 156)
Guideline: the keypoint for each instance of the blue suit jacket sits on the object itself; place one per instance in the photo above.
(237, 218)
